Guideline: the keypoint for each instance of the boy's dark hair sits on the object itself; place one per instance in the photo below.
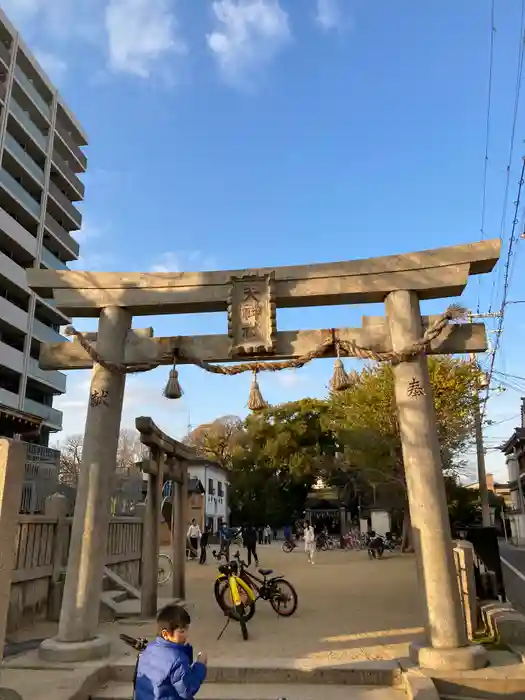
(172, 617)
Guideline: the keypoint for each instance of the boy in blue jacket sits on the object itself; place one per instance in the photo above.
(166, 670)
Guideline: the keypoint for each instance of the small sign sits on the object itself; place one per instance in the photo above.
(252, 315)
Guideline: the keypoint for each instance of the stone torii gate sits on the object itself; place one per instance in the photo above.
(167, 460)
(251, 297)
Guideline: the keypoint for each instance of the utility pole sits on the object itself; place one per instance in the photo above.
(478, 431)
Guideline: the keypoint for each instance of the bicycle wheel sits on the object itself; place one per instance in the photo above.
(287, 547)
(284, 600)
(224, 600)
(164, 569)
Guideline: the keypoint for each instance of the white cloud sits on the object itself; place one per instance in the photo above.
(140, 32)
(134, 34)
(91, 257)
(53, 65)
(183, 261)
(168, 262)
(248, 34)
(330, 15)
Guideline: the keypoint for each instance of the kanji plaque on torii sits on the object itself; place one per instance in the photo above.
(251, 315)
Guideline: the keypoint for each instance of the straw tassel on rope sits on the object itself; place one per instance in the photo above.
(340, 379)
(256, 401)
(173, 388)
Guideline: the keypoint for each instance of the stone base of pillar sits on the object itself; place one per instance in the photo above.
(469, 658)
(55, 650)
(9, 694)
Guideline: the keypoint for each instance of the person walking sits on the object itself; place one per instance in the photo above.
(267, 535)
(309, 542)
(260, 533)
(249, 537)
(194, 535)
(204, 544)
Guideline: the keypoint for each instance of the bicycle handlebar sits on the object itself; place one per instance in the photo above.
(138, 643)
(238, 557)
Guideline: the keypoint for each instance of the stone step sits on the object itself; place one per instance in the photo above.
(267, 671)
(484, 684)
(130, 607)
(468, 697)
(267, 691)
(120, 583)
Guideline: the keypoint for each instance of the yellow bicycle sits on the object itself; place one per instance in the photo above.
(242, 596)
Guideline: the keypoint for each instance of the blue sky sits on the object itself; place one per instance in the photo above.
(241, 133)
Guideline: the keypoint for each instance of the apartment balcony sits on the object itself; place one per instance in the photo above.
(45, 334)
(33, 94)
(45, 308)
(74, 216)
(19, 193)
(24, 159)
(5, 55)
(76, 185)
(71, 247)
(53, 379)
(8, 398)
(50, 415)
(51, 261)
(12, 271)
(15, 237)
(71, 146)
(11, 358)
(28, 124)
(11, 314)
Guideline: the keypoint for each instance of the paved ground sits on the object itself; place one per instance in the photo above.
(349, 608)
(513, 560)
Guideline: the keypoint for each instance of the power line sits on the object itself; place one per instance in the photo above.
(487, 130)
(513, 239)
(517, 95)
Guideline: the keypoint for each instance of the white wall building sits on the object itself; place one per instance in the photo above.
(215, 481)
(40, 155)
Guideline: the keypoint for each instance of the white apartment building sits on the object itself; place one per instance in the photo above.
(215, 482)
(40, 158)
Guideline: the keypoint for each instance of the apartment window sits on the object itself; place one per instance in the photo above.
(9, 380)
(211, 487)
(15, 339)
(220, 489)
(20, 300)
(35, 393)
(34, 351)
(17, 255)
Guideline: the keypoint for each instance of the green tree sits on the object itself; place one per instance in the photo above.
(363, 418)
(217, 440)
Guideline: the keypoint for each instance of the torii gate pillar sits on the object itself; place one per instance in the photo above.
(447, 641)
(77, 633)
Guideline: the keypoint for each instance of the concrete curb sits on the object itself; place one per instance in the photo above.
(505, 623)
(367, 673)
(417, 686)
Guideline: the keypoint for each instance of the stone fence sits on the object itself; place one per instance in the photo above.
(42, 545)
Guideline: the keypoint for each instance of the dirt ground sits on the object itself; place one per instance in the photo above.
(349, 608)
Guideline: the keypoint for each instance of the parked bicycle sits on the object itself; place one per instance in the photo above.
(289, 546)
(324, 542)
(139, 644)
(164, 569)
(352, 541)
(279, 592)
(242, 597)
